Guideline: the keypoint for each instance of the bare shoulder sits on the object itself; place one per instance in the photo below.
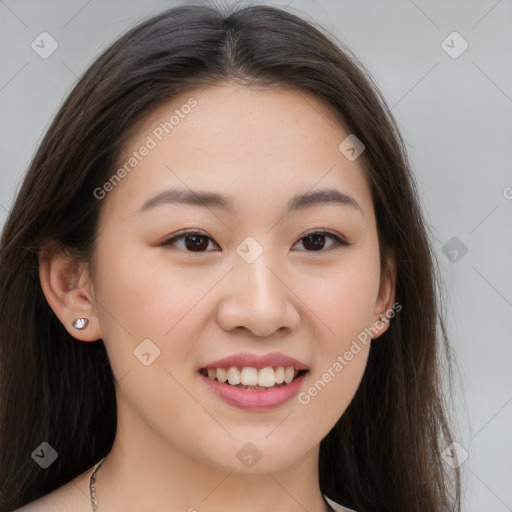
(70, 497)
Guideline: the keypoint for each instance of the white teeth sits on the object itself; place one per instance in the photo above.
(279, 374)
(289, 373)
(222, 374)
(234, 376)
(248, 376)
(266, 377)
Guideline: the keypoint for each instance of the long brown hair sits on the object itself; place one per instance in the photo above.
(384, 453)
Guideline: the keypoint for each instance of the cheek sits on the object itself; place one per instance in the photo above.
(145, 295)
(331, 392)
(344, 298)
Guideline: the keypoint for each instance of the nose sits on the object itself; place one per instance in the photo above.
(257, 298)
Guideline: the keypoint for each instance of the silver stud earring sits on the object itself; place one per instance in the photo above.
(384, 318)
(80, 323)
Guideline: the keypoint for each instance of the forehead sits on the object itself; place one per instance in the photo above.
(259, 146)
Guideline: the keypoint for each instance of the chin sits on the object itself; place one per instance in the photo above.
(256, 456)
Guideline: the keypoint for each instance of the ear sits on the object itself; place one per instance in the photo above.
(385, 304)
(68, 290)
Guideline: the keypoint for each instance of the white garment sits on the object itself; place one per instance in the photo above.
(337, 506)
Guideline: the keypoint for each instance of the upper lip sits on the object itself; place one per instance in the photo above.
(256, 361)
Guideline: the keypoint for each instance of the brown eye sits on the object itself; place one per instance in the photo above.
(193, 241)
(196, 242)
(315, 241)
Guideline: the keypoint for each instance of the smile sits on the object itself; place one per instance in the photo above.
(254, 389)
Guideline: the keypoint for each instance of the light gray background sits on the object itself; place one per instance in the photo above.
(454, 113)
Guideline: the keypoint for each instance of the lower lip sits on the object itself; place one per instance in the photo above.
(253, 399)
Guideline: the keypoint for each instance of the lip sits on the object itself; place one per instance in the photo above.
(256, 361)
(254, 400)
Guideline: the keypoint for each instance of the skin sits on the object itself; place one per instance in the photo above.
(176, 441)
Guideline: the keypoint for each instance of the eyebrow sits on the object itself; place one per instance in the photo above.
(221, 202)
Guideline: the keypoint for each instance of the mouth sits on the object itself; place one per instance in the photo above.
(252, 378)
(254, 389)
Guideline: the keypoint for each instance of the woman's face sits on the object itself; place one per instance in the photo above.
(246, 281)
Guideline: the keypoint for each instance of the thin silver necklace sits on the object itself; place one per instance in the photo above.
(92, 487)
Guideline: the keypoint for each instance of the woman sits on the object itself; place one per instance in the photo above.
(217, 288)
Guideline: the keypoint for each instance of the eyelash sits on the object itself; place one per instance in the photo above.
(338, 242)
